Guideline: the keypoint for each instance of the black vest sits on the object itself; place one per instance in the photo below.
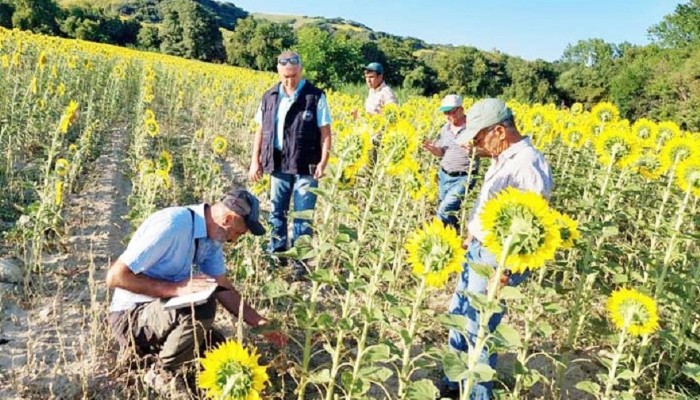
(302, 136)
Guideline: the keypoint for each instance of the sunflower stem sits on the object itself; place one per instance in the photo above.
(672, 244)
(612, 379)
(484, 317)
(662, 206)
(413, 322)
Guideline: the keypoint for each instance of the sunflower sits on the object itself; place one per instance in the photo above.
(688, 176)
(633, 311)
(575, 136)
(399, 144)
(616, 146)
(219, 145)
(576, 108)
(230, 372)
(568, 230)
(353, 148)
(646, 131)
(69, 116)
(415, 182)
(149, 114)
(605, 112)
(152, 127)
(676, 150)
(526, 219)
(146, 167)
(391, 113)
(649, 166)
(61, 167)
(435, 251)
(666, 131)
(59, 192)
(261, 186)
(165, 161)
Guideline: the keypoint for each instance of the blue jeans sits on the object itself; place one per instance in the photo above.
(472, 282)
(451, 191)
(283, 188)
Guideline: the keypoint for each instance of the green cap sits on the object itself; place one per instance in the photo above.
(483, 114)
(375, 67)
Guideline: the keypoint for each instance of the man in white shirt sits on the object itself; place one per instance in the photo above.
(379, 93)
(515, 163)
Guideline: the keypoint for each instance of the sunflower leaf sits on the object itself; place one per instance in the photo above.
(455, 369)
(484, 270)
(692, 371)
(510, 293)
(380, 352)
(422, 389)
(483, 372)
(453, 321)
(375, 373)
(320, 377)
(589, 387)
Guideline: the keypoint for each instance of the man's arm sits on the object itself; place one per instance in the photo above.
(231, 300)
(325, 151)
(120, 276)
(255, 171)
(390, 97)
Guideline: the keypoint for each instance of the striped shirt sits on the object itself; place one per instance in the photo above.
(454, 158)
(163, 248)
(378, 98)
(520, 166)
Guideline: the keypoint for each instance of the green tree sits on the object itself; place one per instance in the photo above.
(38, 16)
(530, 81)
(470, 72)
(328, 61)
(188, 30)
(256, 43)
(148, 38)
(680, 29)
(6, 11)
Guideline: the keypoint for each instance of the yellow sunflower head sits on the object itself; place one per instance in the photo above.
(231, 372)
(58, 192)
(149, 114)
(165, 161)
(649, 166)
(575, 136)
(633, 311)
(676, 150)
(576, 108)
(152, 128)
(526, 220)
(399, 144)
(568, 230)
(605, 112)
(688, 176)
(391, 113)
(618, 147)
(352, 148)
(415, 182)
(435, 251)
(146, 167)
(261, 186)
(667, 130)
(645, 130)
(219, 145)
(61, 167)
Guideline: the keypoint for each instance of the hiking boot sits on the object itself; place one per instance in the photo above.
(166, 384)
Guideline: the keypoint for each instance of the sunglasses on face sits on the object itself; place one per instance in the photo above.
(290, 60)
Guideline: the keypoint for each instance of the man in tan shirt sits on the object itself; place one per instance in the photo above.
(379, 93)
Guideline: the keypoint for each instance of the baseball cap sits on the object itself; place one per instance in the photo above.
(375, 67)
(450, 102)
(482, 114)
(247, 206)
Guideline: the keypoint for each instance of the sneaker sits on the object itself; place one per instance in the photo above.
(300, 271)
(166, 384)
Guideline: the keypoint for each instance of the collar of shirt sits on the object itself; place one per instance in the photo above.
(514, 149)
(283, 93)
(455, 129)
(378, 89)
(200, 223)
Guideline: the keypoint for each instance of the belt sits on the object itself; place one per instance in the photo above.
(456, 173)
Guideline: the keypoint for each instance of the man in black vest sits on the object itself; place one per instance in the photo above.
(292, 144)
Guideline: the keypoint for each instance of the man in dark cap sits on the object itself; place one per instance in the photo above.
(380, 93)
(178, 251)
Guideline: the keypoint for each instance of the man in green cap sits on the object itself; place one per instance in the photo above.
(380, 93)
(491, 130)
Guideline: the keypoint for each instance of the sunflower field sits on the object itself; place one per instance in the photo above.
(609, 310)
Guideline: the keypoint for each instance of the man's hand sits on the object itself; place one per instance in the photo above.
(355, 113)
(255, 172)
(320, 171)
(196, 284)
(504, 281)
(271, 333)
(430, 146)
(467, 241)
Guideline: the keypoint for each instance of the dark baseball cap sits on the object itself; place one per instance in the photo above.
(247, 206)
(375, 67)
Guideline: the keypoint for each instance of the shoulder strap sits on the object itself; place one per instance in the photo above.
(196, 241)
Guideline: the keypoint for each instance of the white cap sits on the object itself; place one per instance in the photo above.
(450, 102)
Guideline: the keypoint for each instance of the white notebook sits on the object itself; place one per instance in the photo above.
(191, 299)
